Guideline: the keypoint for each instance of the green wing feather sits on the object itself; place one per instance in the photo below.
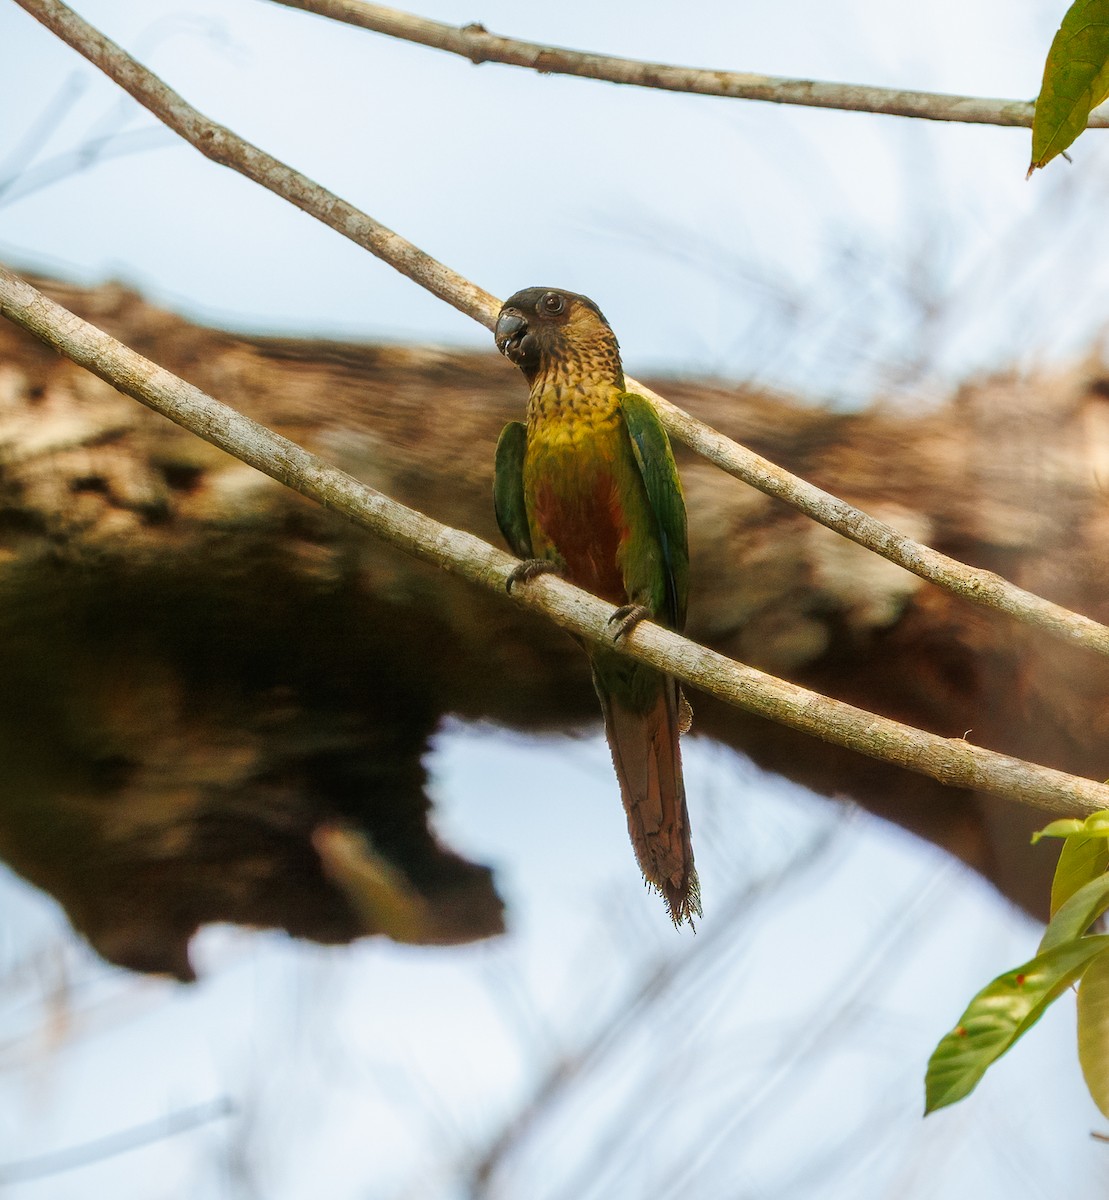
(508, 489)
(656, 465)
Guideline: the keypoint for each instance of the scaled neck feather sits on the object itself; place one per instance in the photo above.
(577, 379)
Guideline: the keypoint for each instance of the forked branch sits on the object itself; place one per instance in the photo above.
(221, 145)
(952, 761)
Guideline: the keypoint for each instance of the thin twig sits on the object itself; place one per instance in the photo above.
(40, 130)
(16, 185)
(951, 761)
(223, 146)
(876, 962)
(24, 1170)
(657, 980)
(479, 46)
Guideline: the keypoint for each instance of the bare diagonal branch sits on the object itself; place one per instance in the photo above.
(216, 142)
(972, 583)
(952, 761)
(223, 146)
(479, 46)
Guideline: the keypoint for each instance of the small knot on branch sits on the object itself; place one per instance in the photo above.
(473, 34)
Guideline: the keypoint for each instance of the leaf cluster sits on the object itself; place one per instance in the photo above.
(1069, 954)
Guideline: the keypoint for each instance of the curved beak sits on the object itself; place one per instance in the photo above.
(509, 332)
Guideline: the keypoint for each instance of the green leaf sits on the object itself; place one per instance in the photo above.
(1000, 1013)
(1093, 1030)
(1077, 914)
(1095, 825)
(1081, 860)
(1076, 80)
(1064, 828)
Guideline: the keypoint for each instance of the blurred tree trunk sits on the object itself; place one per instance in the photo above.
(202, 670)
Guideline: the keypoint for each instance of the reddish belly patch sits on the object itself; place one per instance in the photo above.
(582, 519)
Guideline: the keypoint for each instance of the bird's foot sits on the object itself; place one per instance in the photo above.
(529, 569)
(627, 618)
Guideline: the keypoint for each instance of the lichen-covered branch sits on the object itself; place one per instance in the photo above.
(479, 45)
(982, 587)
(223, 146)
(952, 761)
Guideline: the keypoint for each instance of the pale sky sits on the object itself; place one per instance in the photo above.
(793, 245)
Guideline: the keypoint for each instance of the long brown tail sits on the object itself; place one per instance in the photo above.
(648, 763)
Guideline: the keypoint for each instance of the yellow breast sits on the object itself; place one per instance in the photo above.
(564, 414)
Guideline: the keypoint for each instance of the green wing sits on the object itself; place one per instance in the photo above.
(508, 489)
(655, 460)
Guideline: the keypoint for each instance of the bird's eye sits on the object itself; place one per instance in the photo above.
(553, 303)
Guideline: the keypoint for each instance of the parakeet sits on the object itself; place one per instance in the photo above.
(588, 488)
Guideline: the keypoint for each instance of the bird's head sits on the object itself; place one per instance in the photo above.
(540, 329)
